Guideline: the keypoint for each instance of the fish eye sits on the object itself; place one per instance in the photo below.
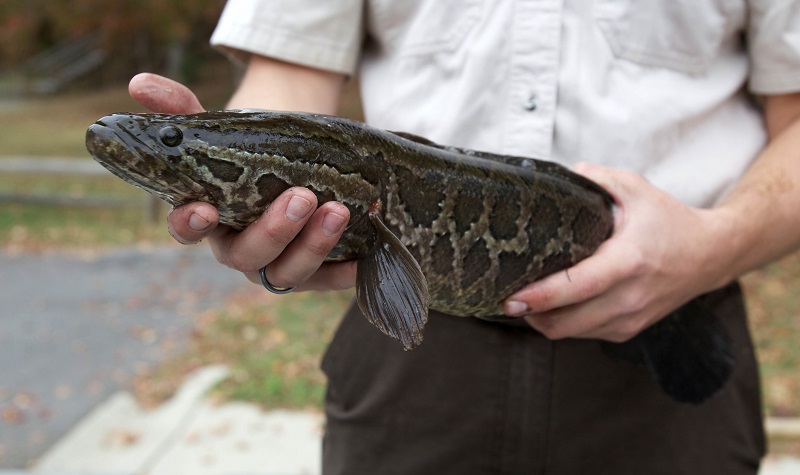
(171, 136)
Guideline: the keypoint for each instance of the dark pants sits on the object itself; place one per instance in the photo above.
(489, 398)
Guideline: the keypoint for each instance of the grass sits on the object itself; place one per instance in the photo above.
(773, 298)
(56, 126)
(36, 226)
(102, 185)
(274, 345)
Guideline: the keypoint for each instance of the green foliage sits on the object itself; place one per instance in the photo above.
(280, 364)
(135, 33)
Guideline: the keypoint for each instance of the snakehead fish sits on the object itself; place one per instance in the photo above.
(431, 226)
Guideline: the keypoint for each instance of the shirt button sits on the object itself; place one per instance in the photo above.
(531, 103)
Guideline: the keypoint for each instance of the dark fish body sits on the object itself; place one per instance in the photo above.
(431, 226)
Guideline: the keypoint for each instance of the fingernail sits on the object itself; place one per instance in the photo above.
(198, 223)
(515, 308)
(332, 223)
(297, 208)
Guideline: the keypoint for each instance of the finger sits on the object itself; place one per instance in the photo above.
(190, 223)
(332, 276)
(588, 279)
(589, 320)
(264, 240)
(620, 184)
(163, 95)
(305, 254)
(556, 324)
(593, 320)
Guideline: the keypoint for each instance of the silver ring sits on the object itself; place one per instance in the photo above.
(270, 287)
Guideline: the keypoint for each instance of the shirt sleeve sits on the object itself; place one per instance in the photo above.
(773, 38)
(322, 34)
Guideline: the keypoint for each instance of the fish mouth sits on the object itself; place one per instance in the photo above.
(128, 155)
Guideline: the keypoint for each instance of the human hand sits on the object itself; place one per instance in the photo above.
(292, 236)
(661, 255)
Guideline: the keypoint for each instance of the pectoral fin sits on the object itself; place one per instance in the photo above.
(390, 288)
(688, 353)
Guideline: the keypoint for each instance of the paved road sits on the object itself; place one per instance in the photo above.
(74, 329)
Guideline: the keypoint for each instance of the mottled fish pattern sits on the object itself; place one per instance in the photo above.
(432, 226)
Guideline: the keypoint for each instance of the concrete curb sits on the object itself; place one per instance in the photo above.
(189, 434)
(119, 437)
(780, 465)
(239, 438)
(783, 428)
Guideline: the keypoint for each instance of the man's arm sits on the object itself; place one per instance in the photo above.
(277, 85)
(664, 253)
(293, 236)
(763, 207)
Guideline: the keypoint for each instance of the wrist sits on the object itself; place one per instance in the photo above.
(729, 243)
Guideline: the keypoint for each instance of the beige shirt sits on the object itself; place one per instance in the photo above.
(658, 87)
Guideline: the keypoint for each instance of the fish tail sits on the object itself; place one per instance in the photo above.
(688, 353)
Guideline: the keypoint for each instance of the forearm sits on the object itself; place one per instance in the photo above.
(277, 85)
(760, 218)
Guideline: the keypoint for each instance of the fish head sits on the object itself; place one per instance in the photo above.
(148, 151)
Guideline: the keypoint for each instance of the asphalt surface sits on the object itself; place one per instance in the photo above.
(76, 328)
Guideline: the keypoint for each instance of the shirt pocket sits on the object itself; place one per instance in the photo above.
(422, 27)
(683, 35)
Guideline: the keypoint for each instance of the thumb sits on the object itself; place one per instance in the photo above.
(620, 184)
(163, 95)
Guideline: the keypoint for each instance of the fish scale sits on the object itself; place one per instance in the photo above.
(432, 227)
